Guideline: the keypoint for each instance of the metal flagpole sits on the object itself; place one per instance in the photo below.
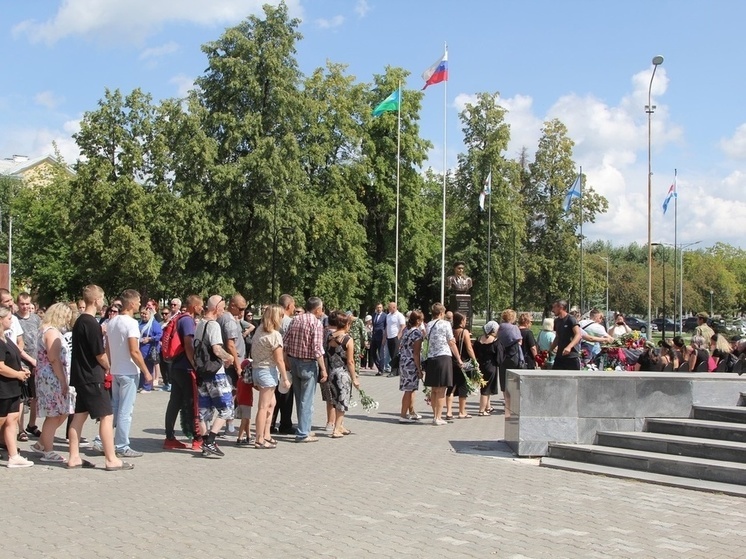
(489, 240)
(580, 199)
(10, 253)
(398, 163)
(675, 245)
(445, 174)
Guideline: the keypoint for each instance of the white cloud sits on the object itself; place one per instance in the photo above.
(48, 99)
(183, 84)
(735, 146)
(336, 21)
(40, 141)
(131, 21)
(362, 8)
(162, 50)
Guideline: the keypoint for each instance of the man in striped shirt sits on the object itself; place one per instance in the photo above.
(304, 350)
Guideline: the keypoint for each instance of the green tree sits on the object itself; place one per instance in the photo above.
(552, 242)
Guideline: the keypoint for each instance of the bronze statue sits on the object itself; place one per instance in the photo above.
(459, 282)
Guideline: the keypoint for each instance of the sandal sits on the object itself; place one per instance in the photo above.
(337, 435)
(449, 418)
(272, 441)
(483, 413)
(264, 445)
(490, 410)
(467, 416)
(33, 430)
(52, 456)
(346, 432)
(37, 448)
(22, 437)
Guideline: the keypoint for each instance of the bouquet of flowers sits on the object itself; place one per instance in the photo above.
(623, 353)
(427, 392)
(474, 378)
(366, 401)
(541, 358)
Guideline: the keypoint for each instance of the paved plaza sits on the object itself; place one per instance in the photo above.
(388, 490)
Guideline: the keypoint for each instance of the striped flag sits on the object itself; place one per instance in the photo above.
(436, 73)
(671, 194)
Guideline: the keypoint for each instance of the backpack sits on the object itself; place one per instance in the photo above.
(206, 363)
(171, 343)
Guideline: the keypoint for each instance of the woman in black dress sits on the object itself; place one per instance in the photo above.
(486, 350)
(11, 377)
(466, 354)
(529, 341)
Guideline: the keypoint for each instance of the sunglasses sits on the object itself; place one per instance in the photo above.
(164, 314)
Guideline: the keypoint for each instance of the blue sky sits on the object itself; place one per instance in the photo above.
(585, 62)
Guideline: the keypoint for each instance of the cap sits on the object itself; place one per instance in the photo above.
(649, 344)
(368, 318)
(703, 315)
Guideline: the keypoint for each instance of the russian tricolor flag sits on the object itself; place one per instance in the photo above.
(436, 73)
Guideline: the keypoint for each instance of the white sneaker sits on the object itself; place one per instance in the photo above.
(414, 416)
(439, 422)
(406, 420)
(230, 428)
(19, 461)
(329, 427)
(97, 445)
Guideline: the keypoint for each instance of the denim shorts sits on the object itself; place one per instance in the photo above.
(266, 377)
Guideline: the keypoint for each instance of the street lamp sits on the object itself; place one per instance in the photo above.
(649, 109)
(606, 259)
(681, 283)
(711, 294)
(515, 268)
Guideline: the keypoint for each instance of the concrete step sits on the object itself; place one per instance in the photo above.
(660, 479)
(700, 428)
(677, 445)
(653, 462)
(735, 414)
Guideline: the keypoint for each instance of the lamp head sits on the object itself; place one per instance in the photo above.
(657, 60)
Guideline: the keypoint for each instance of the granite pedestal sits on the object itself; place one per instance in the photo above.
(571, 406)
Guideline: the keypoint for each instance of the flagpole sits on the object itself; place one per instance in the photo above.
(489, 242)
(398, 164)
(676, 270)
(445, 173)
(580, 187)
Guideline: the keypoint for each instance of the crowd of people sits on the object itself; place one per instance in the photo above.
(83, 360)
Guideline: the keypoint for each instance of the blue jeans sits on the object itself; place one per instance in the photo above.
(304, 373)
(123, 393)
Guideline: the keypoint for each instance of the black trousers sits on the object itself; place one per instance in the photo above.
(284, 406)
(165, 370)
(375, 348)
(183, 399)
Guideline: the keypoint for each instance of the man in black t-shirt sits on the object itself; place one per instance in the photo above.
(568, 336)
(87, 370)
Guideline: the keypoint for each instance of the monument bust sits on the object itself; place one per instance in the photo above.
(459, 282)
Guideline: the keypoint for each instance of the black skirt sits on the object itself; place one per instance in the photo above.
(439, 371)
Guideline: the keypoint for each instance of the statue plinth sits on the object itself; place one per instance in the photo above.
(461, 303)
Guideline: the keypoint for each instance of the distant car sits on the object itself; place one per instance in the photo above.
(637, 324)
(690, 324)
(671, 326)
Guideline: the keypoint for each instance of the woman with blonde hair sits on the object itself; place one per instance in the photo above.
(441, 350)
(699, 356)
(266, 352)
(55, 399)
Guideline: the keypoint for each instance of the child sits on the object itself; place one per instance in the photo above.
(244, 402)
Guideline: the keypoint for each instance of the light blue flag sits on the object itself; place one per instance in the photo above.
(573, 193)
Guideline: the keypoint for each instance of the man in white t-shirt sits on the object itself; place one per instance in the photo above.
(593, 334)
(123, 350)
(395, 323)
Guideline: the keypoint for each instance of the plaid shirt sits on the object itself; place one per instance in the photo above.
(305, 337)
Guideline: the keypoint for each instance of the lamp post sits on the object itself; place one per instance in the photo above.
(711, 294)
(515, 267)
(273, 193)
(681, 283)
(649, 109)
(606, 259)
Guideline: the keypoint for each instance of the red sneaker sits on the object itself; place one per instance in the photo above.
(197, 446)
(174, 444)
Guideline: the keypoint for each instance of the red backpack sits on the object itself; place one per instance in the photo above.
(171, 344)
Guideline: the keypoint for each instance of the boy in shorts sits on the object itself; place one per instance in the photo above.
(89, 365)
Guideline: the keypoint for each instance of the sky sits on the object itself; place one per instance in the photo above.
(585, 62)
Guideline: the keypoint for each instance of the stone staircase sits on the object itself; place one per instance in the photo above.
(706, 452)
